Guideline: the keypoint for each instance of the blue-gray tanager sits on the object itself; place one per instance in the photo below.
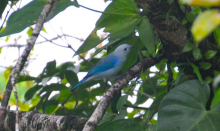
(108, 66)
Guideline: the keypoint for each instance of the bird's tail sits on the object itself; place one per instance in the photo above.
(78, 84)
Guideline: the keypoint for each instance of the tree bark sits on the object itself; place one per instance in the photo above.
(35, 121)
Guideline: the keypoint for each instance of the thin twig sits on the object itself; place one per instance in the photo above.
(5, 18)
(91, 9)
(70, 46)
(135, 107)
(145, 94)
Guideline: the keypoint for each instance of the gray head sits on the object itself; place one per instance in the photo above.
(123, 50)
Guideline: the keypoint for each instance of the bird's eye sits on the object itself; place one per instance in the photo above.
(125, 49)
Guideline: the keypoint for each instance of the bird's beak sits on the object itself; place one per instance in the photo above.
(131, 47)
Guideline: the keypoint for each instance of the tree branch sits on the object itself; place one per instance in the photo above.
(116, 88)
(36, 121)
(21, 61)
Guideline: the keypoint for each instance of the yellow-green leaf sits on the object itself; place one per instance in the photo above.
(204, 3)
(205, 23)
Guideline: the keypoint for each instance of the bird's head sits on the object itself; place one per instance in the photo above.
(123, 50)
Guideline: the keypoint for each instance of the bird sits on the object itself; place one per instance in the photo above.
(108, 66)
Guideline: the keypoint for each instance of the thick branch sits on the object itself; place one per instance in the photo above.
(116, 88)
(21, 61)
(35, 121)
(167, 20)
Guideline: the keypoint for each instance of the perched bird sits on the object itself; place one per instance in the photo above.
(108, 66)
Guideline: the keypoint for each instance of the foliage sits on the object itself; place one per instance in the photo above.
(178, 104)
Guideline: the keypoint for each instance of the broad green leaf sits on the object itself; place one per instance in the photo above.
(184, 109)
(29, 14)
(123, 125)
(216, 100)
(205, 23)
(217, 35)
(31, 92)
(50, 67)
(146, 34)
(196, 69)
(145, 53)
(204, 3)
(122, 100)
(197, 54)
(188, 47)
(71, 77)
(120, 19)
(205, 65)
(209, 54)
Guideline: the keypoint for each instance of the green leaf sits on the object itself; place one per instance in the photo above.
(25, 78)
(122, 100)
(209, 54)
(170, 1)
(190, 16)
(71, 77)
(29, 14)
(217, 35)
(162, 64)
(196, 9)
(31, 92)
(29, 32)
(145, 53)
(216, 100)
(184, 109)
(197, 54)
(120, 19)
(123, 125)
(146, 34)
(50, 68)
(205, 65)
(208, 79)
(188, 47)
(196, 69)
(203, 26)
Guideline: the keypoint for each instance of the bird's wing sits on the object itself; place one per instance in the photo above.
(105, 64)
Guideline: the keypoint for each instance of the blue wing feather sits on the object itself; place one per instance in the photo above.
(106, 63)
